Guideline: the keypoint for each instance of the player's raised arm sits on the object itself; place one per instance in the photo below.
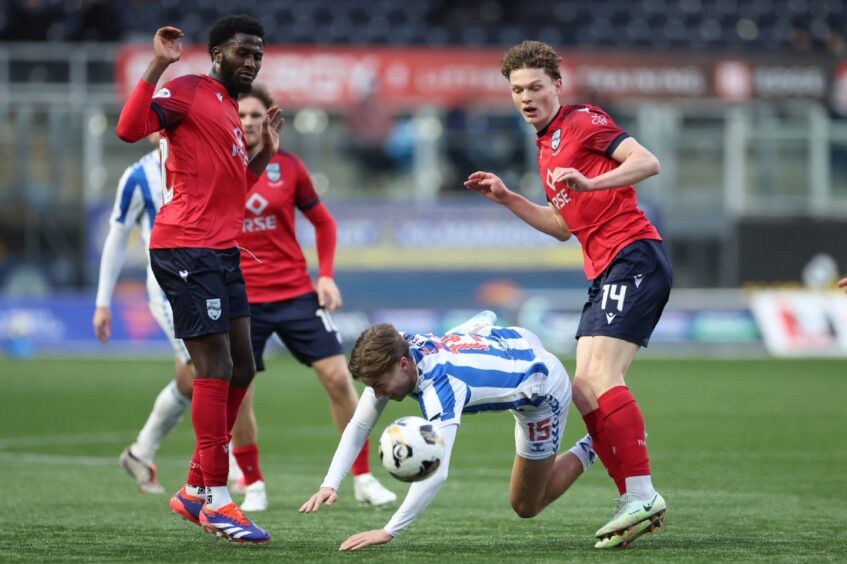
(271, 126)
(138, 119)
(544, 218)
(353, 438)
(417, 499)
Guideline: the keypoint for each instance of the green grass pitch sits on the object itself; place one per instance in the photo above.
(751, 456)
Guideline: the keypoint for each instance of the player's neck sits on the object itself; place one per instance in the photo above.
(215, 75)
(553, 115)
(254, 150)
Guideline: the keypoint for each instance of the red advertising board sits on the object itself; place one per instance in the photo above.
(336, 77)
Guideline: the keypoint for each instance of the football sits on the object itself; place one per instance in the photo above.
(411, 449)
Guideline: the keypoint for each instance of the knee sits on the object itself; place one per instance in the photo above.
(337, 382)
(525, 510)
(243, 373)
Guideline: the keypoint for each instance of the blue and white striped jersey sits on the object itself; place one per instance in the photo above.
(138, 200)
(494, 369)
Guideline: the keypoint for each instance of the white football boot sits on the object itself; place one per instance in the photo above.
(475, 323)
(144, 474)
(633, 518)
(368, 491)
(255, 497)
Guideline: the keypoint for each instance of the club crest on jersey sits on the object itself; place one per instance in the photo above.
(557, 138)
(274, 172)
(213, 308)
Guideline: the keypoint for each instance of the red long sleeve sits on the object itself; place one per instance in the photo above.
(137, 119)
(326, 234)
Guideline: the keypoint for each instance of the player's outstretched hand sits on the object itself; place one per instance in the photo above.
(103, 324)
(361, 540)
(271, 126)
(165, 46)
(573, 179)
(843, 283)
(327, 496)
(490, 186)
(329, 296)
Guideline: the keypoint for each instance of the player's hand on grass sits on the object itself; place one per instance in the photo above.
(165, 46)
(103, 324)
(327, 496)
(490, 186)
(271, 126)
(573, 179)
(329, 296)
(361, 540)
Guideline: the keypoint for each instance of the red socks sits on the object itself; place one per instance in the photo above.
(195, 474)
(209, 416)
(600, 442)
(248, 461)
(233, 401)
(623, 431)
(361, 465)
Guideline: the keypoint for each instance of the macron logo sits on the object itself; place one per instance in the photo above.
(610, 317)
(220, 97)
(639, 278)
(184, 275)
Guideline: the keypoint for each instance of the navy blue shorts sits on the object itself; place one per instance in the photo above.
(204, 286)
(306, 329)
(627, 300)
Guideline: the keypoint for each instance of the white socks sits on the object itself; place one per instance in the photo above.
(584, 452)
(640, 487)
(196, 491)
(217, 497)
(167, 412)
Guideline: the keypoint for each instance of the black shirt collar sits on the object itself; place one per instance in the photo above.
(543, 132)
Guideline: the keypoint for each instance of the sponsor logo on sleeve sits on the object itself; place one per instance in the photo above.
(162, 93)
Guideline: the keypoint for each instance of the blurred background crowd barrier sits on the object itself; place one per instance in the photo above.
(392, 104)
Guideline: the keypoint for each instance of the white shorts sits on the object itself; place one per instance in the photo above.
(539, 429)
(164, 316)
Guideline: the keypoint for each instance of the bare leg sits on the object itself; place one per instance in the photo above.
(335, 378)
(529, 483)
(184, 375)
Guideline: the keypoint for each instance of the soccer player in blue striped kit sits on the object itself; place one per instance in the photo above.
(474, 367)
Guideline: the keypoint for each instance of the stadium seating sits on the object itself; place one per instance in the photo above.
(723, 25)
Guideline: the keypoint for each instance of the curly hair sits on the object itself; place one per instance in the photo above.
(531, 55)
(377, 351)
(260, 93)
(226, 28)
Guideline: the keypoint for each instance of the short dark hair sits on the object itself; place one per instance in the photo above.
(226, 28)
(377, 351)
(532, 55)
(260, 93)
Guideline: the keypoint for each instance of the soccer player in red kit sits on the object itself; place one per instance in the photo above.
(193, 250)
(588, 166)
(284, 301)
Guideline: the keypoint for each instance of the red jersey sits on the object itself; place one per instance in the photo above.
(269, 234)
(584, 137)
(204, 162)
